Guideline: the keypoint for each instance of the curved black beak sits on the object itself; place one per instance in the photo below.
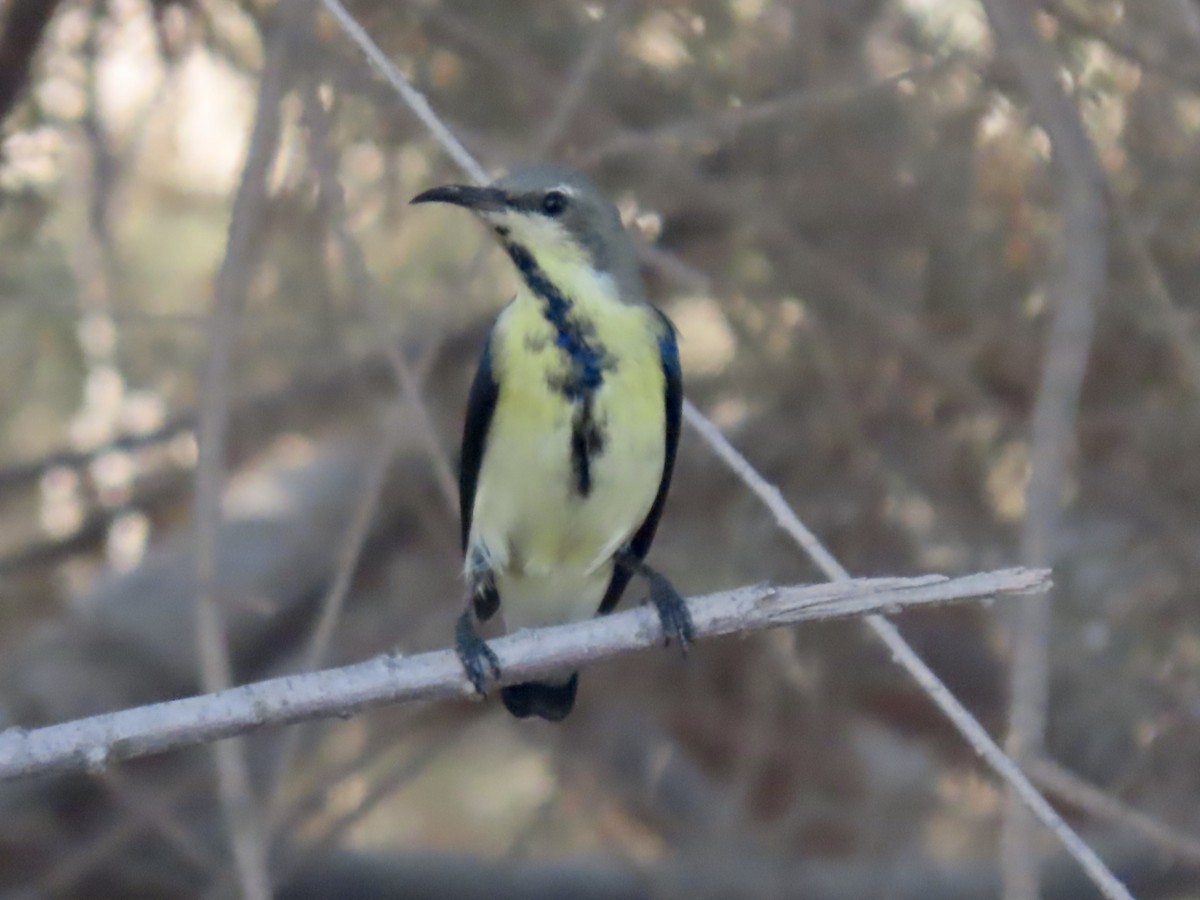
(480, 199)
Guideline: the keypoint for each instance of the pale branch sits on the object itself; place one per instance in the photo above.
(414, 99)
(368, 295)
(1073, 291)
(230, 290)
(724, 123)
(333, 198)
(1107, 808)
(906, 657)
(94, 742)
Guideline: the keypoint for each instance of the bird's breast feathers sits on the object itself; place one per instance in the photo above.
(574, 454)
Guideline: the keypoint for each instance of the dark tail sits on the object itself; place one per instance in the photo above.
(551, 702)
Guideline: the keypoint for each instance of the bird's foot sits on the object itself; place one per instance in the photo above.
(673, 613)
(477, 658)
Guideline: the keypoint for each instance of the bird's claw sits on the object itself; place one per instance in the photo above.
(477, 658)
(673, 613)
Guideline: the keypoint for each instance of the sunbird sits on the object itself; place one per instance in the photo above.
(571, 429)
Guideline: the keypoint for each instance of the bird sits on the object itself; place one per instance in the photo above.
(571, 429)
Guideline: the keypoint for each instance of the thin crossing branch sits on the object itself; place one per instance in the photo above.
(413, 98)
(1104, 806)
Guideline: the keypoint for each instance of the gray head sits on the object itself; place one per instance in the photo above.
(558, 217)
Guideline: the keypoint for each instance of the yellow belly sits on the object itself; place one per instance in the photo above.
(551, 546)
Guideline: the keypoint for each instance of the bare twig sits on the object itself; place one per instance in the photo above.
(90, 853)
(330, 833)
(797, 254)
(1104, 806)
(94, 741)
(581, 77)
(1075, 288)
(334, 202)
(1174, 326)
(535, 823)
(232, 284)
(906, 656)
(901, 652)
(411, 96)
(678, 270)
(157, 812)
(806, 101)
(334, 600)
(306, 814)
(368, 293)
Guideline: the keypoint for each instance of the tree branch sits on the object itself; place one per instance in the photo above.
(1075, 287)
(410, 95)
(96, 741)
(231, 288)
(1104, 806)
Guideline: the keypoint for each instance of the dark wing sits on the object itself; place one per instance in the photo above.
(640, 545)
(480, 405)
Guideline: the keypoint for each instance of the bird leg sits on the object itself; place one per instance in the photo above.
(482, 581)
(476, 656)
(672, 610)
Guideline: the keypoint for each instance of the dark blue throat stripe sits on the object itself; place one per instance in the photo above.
(572, 334)
(588, 362)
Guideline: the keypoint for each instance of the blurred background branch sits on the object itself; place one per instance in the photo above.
(1073, 292)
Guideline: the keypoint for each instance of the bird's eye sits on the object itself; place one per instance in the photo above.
(554, 203)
